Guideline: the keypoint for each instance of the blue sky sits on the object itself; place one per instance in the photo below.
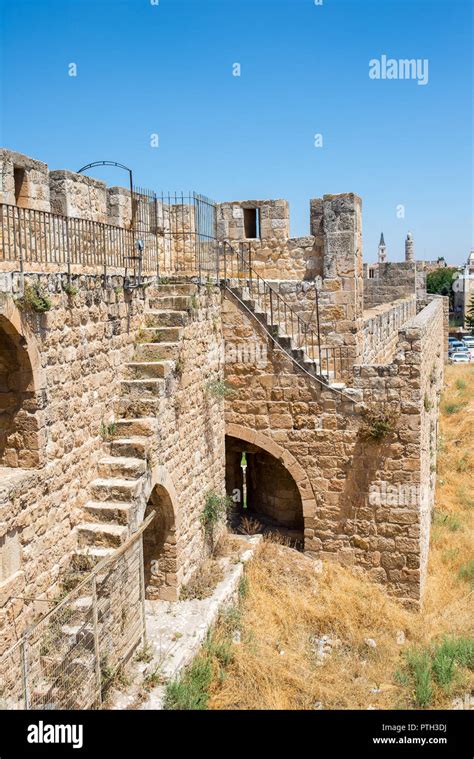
(166, 69)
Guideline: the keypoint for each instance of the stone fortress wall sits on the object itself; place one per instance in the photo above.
(61, 374)
(80, 350)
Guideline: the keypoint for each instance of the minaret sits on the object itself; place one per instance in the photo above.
(409, 247)
(382, 250)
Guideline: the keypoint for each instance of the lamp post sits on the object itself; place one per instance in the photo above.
(243, 466)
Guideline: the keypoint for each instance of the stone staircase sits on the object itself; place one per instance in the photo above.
(257, 305)
(110, 512)
(121, 471)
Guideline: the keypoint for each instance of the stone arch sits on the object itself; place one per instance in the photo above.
(289, 462)
(160, 544)
(22, 391)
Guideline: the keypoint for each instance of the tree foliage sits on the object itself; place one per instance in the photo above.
(440, 282)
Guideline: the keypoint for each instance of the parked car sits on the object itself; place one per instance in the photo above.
(459, 357)
(457, 345)
(468, 341)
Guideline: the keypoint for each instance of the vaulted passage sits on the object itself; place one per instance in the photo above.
(159, 548)
(19, 445)
(273, 501)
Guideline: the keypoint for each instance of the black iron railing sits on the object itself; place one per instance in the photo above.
(237, 273)
(172, 235)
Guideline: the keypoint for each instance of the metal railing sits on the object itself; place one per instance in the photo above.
(28, 236)
(330, 362)
(173, 235)
(71, 655)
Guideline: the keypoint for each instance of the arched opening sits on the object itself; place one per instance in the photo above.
(159, 548)
(263, 491)
(19, 426)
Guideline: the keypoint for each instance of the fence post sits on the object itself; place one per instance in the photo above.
(24, 671)
(95, 625)
(142, 590)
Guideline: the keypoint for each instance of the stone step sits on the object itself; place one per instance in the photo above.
(176, 288)
(163, 351)
(133, 408)
(114, 489)
(93, 554)
(161, 334)
(78, 634)
(166, 318)
(149, 369)
(135, 447)
(138, 427)
(81, 606)
(143, 388)
(116, 512)
(175, 302)
(125, 467)
(100, 534)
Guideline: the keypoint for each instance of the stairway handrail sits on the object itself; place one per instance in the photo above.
(253, 274)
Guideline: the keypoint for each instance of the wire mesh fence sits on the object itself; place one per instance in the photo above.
(68, 658)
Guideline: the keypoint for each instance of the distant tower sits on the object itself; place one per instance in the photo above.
(409, 247)
(382, 250)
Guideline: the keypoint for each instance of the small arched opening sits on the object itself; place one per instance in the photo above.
(266, 496)
(159, 548)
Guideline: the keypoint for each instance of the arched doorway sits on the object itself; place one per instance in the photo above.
(271, 500)
(159, 548)
(19, 425)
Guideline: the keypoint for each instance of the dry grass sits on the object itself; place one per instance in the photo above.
(288, 607)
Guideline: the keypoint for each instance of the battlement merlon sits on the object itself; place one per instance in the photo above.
(28, 183)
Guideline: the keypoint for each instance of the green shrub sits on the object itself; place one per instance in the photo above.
(107, 431)
(419, 664)
(453, 408)
(378, 423)
(35, 299)
(191, 691)
(70, 290)
(466, 572)
(214, 508)
(220, 389)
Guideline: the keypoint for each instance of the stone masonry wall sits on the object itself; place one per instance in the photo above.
(381, 326)
(79, 350)
(400, 468)
(346, 516)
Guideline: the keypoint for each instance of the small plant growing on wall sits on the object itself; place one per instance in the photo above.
(215, 507)
(70, 290)
(35, 299)
(378, 423)
(220, 389)
(107, 431)
(179, 368)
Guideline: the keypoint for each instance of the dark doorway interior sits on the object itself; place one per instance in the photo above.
(273, 499)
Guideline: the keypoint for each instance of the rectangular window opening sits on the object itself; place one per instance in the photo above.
(20, 185)
(252, 223)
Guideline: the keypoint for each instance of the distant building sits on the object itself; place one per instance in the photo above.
(464, 289)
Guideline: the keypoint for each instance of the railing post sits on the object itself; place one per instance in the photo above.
(250, 264)
(142, 590)
(24, 671)
(95, 625)
(68, 254)
(318, 328)
(271, 307)
(16, 220)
